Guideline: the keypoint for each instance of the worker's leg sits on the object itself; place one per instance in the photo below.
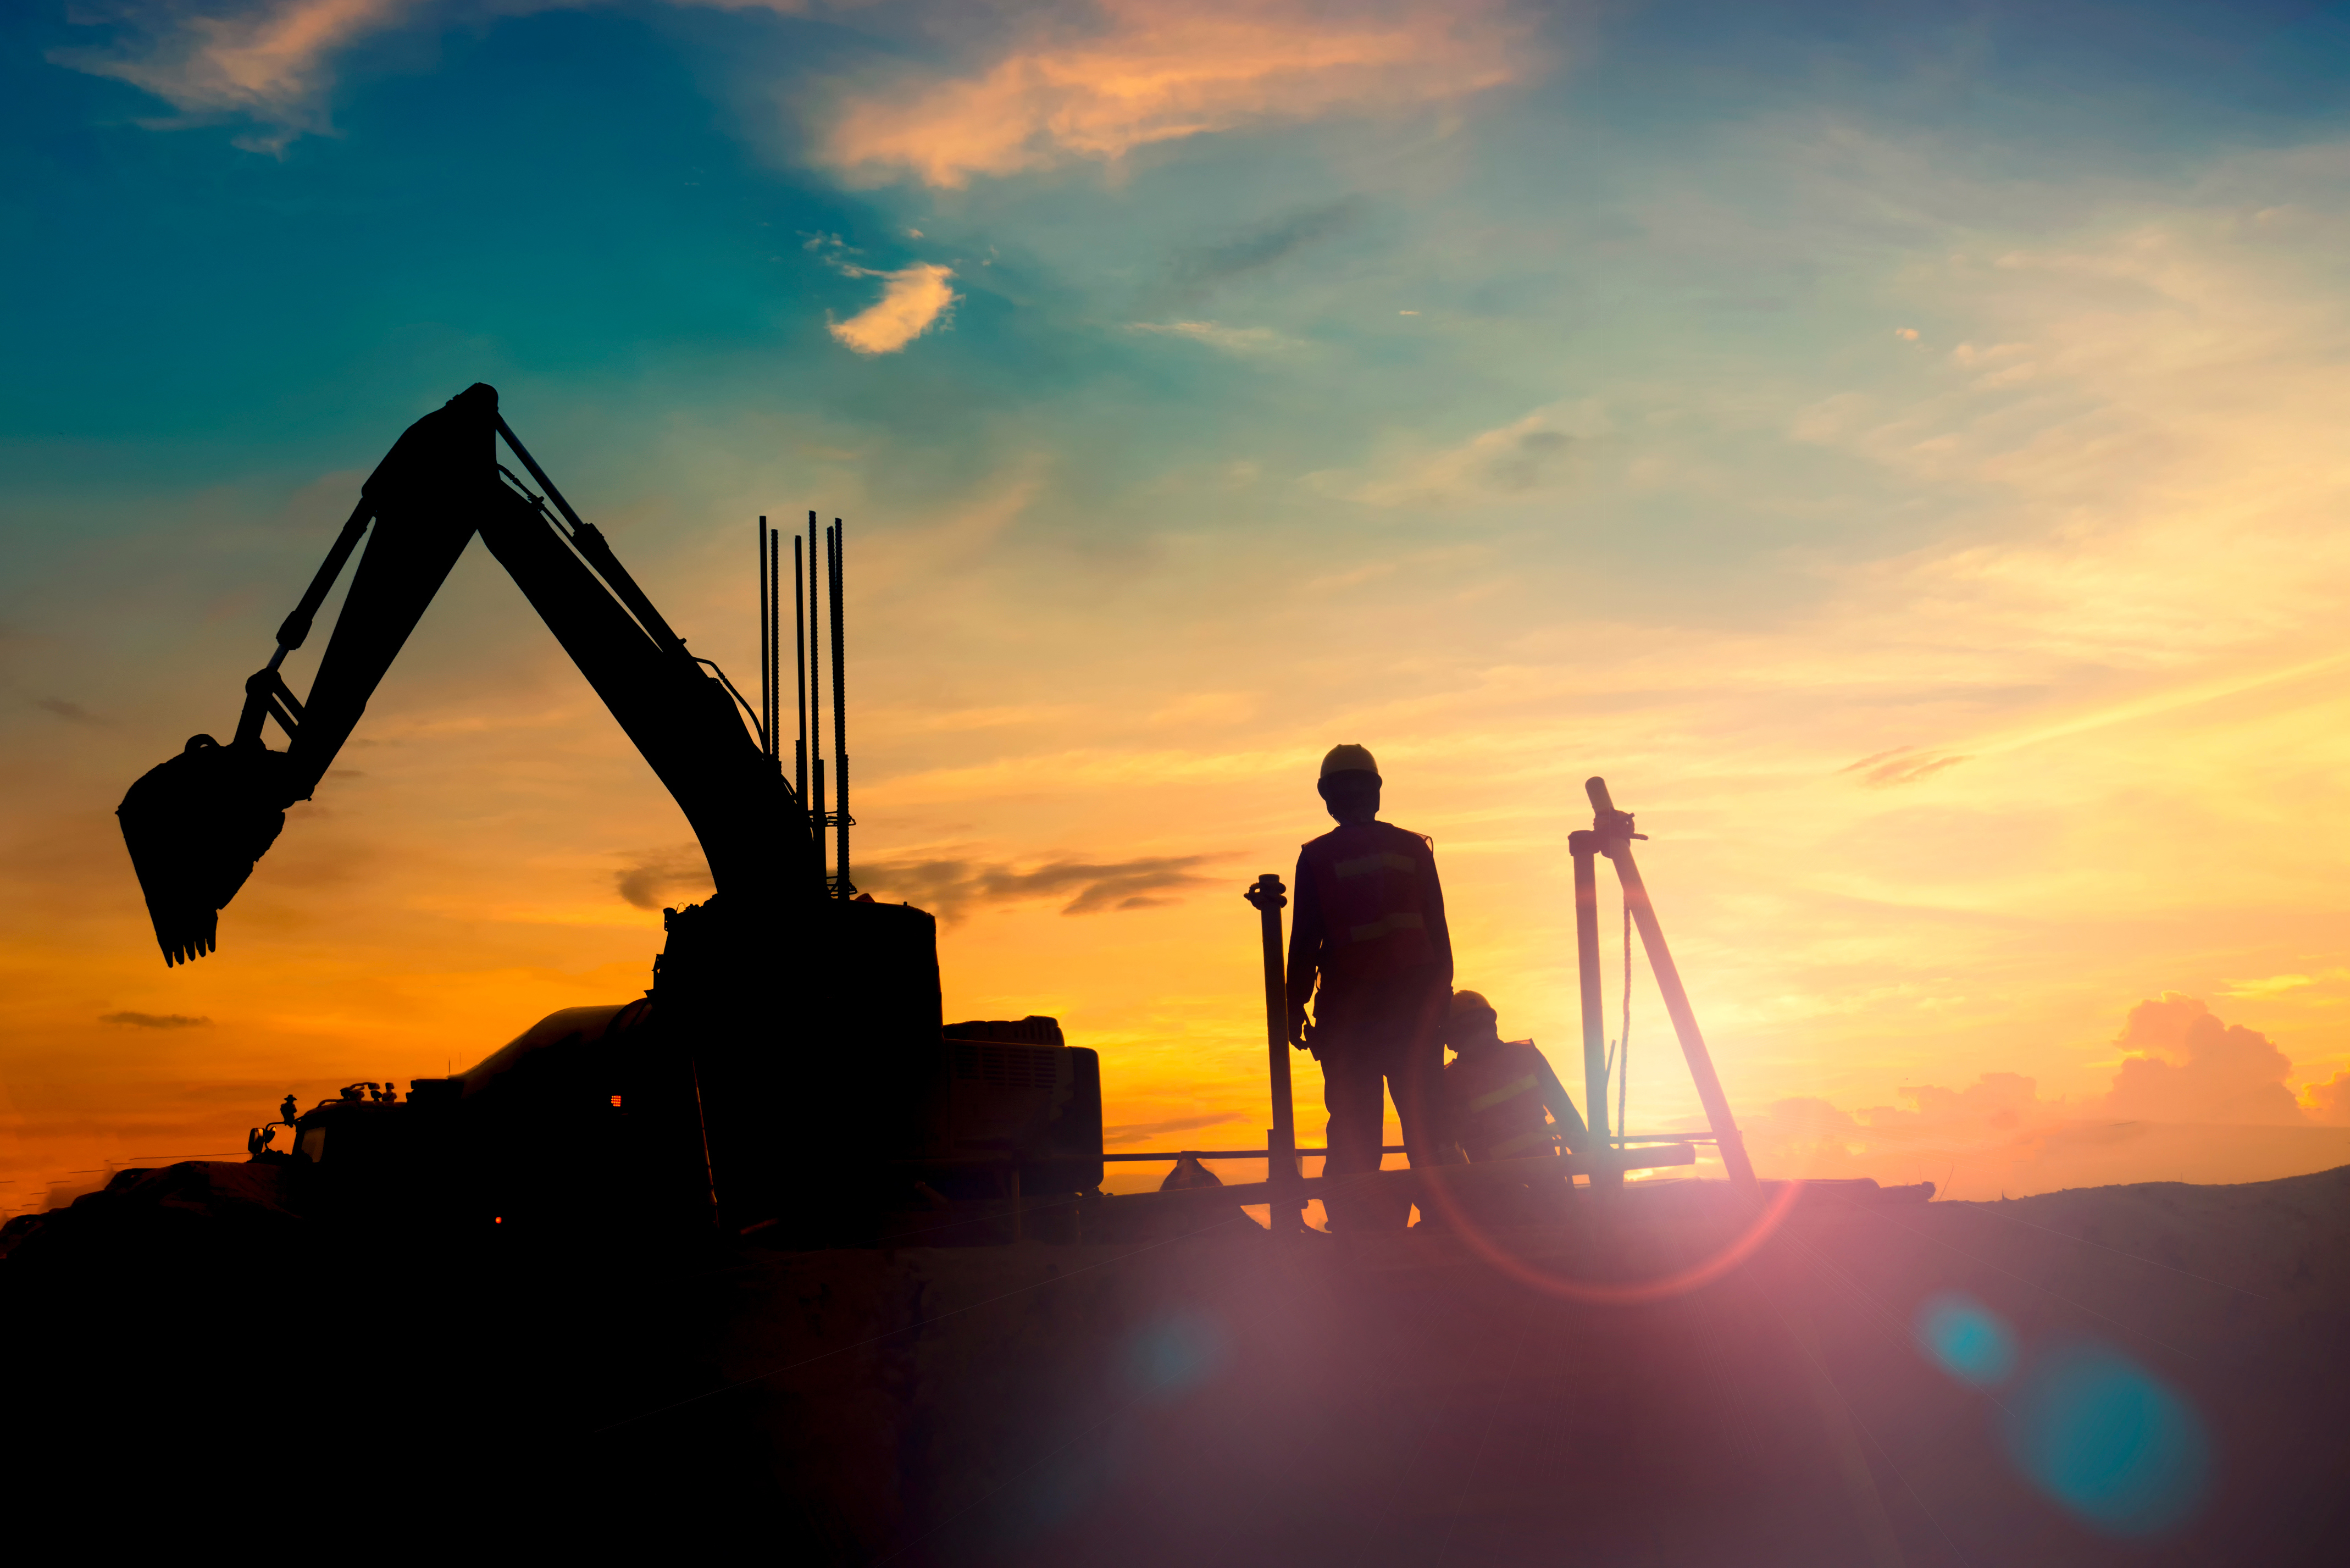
(1354, 1091)
(1415, 1067)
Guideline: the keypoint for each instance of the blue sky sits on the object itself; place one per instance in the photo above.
(1717, 396)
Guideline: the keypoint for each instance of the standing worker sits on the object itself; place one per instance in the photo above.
(1370, 928)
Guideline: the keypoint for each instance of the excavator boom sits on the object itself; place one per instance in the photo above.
(197, 825)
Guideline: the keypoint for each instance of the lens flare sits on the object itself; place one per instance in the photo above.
(2120, 1450)
(1965, 1339)
(1610, 1292)
(1176, 1353)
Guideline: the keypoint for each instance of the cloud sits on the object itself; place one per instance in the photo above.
(1085, 82)
(950, 888)
(156, 1020)
(656, 875)
(1149, 71)
(72, 712)
(1901, 766)
(1136, 1132)
(913, 300)
(1527, 456)
(2188, 1066)
(2328, 1102)
(1193, 273)
(1230, 340)
(267, 61)
(2182, 1067)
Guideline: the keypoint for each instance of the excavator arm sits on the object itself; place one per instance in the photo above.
(196, 825)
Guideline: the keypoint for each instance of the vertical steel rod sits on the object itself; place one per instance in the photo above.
(774, 647)
(1619, 848)
(1585, 848)
(815, 704)
(1280, 1139)
(767, 649)
(839, 713)
(799, 678)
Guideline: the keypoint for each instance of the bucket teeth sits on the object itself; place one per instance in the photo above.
(195, 826)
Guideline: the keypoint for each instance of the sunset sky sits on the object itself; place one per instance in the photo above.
(1900, 447)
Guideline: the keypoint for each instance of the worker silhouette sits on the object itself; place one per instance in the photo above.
(1370, 949)
(1501, 1099)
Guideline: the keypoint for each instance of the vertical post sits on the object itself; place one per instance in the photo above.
(816, 707)
(1585, 848)
(1614, 829)
(839, 714)
(774, 647)
(799, 678)
(766, 650)
(1280, 1139)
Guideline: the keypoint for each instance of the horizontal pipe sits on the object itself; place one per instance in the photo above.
(1475, 1175)
(1385, 1148)
(1235, 1153)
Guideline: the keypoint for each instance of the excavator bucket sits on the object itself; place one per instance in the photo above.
(195, 826)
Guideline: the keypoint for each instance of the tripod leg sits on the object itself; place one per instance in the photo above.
(1677, 1003)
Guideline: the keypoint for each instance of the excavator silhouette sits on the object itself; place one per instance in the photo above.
(786, 1068)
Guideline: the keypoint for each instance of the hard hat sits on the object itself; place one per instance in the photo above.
(1350, 760)
(1468, 1002)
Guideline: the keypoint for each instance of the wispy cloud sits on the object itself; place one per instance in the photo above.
(155, 1020)
(1149, 71)
(913, 300)
(1901, 766)
(1527, 456)
(1229, 339)
(270, 61)
(951, 887)
(72, 712)
(655, 876)
(1197, 270)
(1136, 1132)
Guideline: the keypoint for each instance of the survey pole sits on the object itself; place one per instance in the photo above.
(1583, 845)
(1280, 1139)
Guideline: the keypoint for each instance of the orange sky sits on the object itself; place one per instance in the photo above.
(1933, 537)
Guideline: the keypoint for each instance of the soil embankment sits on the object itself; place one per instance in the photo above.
(1217, 1398)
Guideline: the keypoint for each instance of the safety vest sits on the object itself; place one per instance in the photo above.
(1376, 884)
(1494, 1096)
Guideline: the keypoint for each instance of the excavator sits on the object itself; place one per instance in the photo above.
(788, 1066)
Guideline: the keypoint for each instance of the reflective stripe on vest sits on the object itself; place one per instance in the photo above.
(1385, 925)
(1487, 1101)
(1364, 864)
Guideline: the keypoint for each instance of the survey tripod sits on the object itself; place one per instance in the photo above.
(1611, 1154)
(1610, 834)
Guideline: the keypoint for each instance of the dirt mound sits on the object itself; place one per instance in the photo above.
(1872, 1383)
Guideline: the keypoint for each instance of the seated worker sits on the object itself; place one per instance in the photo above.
(1501, 1100)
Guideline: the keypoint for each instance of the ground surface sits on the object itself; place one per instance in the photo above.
(2175, 1367)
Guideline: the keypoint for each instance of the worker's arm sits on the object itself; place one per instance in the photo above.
(1439, 935)
(1305, 942)
(1555, 1099)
